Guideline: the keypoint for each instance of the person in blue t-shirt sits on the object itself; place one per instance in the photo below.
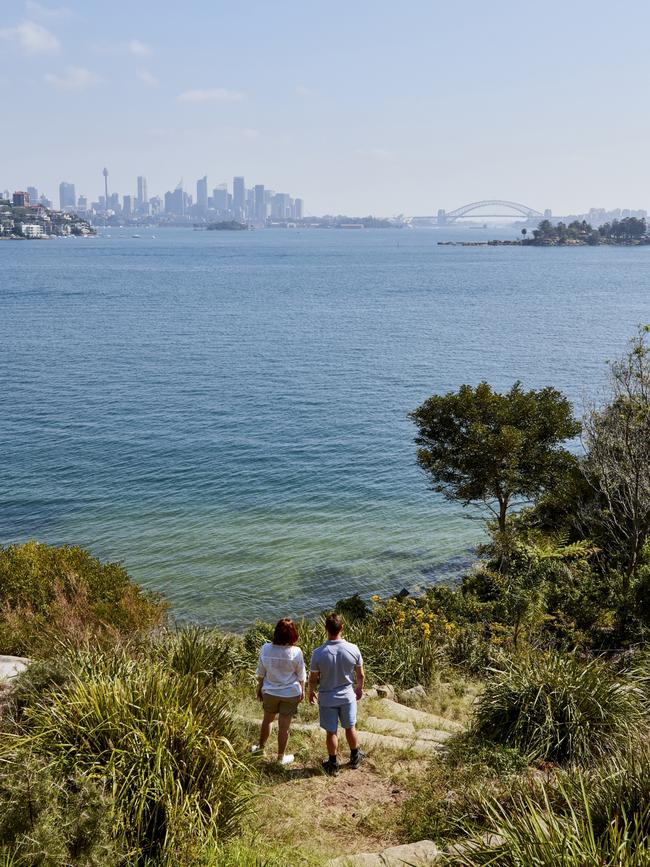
(337, 671)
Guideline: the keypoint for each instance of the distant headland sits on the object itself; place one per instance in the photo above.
(21, 221)
(628, 232)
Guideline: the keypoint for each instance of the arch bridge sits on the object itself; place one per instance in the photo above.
(516, 208)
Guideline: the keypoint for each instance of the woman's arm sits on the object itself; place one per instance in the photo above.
(260, 682)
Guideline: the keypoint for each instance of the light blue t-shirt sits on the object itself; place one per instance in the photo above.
(335, 662)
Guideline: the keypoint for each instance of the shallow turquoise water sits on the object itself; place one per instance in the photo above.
(225, 413)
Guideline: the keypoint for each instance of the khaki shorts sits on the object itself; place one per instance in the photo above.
(280, 704)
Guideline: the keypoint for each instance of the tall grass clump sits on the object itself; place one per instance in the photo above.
(161, 742)
(561, 828)
(559, 708)
(204, 653)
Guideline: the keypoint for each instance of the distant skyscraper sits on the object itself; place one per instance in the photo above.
(67, 198)
(82, 203)
(175, 202)
(114, 202)
(127, 206)
(33, 195)
(20, 198)
(250, 204)
(298, 207)
(260, 203)
(105, 173)
(220, 198)
(239, 197)
(202, 196)
(142, 191)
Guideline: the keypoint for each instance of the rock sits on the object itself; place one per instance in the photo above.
(370, 693)
(413, 854)
(419, 717)
(390, 727)
(11, 666)
(414, 693)
(413, 744)
(419, 854)
(385, 690)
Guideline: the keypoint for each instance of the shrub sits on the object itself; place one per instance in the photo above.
(162, 742)
(48, 594)
(558, 708)
(47, 821)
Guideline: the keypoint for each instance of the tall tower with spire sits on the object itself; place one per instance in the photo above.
(105, 173)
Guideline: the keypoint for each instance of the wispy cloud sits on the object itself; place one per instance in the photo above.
(301, 90)
(147, 77)
(38, 10)
(139, 49)
(74, 78)
(211, 94)
(32, 37)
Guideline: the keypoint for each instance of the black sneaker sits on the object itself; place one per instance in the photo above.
(356, 761)
(331, 768)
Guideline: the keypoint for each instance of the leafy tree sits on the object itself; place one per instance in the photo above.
(617, 440)
(482, 447)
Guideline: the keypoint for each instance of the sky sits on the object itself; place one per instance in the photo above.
(357, 106)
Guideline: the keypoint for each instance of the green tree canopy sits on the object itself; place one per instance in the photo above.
(482, 447)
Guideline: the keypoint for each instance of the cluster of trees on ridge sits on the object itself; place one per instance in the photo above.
(627, 230)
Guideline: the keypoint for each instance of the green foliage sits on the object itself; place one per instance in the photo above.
(564, 828)
(555, 707)
(203, 653)
(479, 446)
(48, 821)
(451, 798)
(353, 608)
(50, 594)
(627, 229)
(161, 742)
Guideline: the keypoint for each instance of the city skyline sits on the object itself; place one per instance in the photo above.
(364, 108)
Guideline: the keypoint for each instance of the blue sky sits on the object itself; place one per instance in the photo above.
(358, 106)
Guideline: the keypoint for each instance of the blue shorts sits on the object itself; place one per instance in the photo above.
(330, 716)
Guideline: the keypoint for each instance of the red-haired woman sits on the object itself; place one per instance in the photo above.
(280, 685)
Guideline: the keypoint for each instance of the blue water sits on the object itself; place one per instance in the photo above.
(226, 413)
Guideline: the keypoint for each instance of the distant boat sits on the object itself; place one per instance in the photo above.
(135, 236)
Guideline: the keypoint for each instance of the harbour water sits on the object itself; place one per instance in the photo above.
(226, 412)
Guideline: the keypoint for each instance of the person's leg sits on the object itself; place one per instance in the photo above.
(352, 738)
(349, 723)
(284, 723)
(329, 720)
(265, 729)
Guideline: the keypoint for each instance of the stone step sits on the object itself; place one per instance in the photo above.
(389, 727)
(421, 854)
(402, 713)
(373, 740)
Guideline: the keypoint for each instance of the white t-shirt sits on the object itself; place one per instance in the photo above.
(283, 669)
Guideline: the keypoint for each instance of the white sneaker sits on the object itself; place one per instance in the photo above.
(256, 748)
(287, 759)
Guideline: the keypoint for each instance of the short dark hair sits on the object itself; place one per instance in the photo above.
(333, 623)
(285, 632)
